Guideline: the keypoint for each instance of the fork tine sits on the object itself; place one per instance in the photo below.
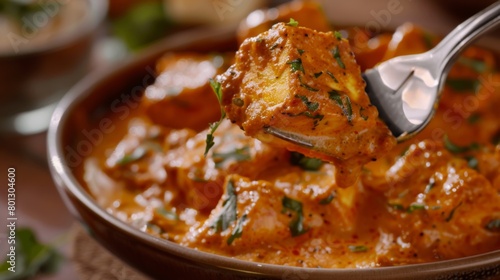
(287, 136)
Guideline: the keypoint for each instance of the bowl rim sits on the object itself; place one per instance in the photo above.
(96, 14)
(67, 181)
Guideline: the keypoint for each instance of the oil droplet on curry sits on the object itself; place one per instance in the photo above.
(369, 203)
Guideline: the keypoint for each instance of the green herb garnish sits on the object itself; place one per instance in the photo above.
(472, 162)
(228, 212)
(478, 66)
(306, 86)
(493, 225)
(239, 154)
(238, 102)
(344, 105)
(428, 40)
(167, 214)
(32, 257)
(332, 76)
(154, 228)
(397, 206)
(410, 209)
(311, 106)
(296, 225)
(474, 118)
(338, 35)
(217, 89)
(463, 85)
(328, 200)
(293, 23)
(452, 212)
(361, 110)
(306, 163)
(317, 75)
(430, 186)
(414, 207)
(296, 65)
(135, 155)
(238, 230)
(300, 51)
(336, 55)
(455, 149)
(357, 248)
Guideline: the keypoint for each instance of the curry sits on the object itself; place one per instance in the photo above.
(434, 197)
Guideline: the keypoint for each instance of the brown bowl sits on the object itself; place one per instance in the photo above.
(35, 75)
(81, 111)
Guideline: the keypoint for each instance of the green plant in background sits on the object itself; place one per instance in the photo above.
(32, 257)
(17, 9)
(141, 25)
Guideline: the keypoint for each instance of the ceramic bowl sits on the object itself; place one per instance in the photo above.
(69, 142)
(34, 74)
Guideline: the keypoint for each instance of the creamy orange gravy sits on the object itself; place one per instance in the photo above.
(433, 198)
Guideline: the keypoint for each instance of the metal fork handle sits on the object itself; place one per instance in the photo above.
(450, 47)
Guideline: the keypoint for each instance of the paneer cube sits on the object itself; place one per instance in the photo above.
(306, 83)
(181, 96)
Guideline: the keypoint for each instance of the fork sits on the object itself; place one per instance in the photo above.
(406, 89)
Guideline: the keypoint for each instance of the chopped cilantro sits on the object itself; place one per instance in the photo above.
(306, 163)
(414, 207)
(493, 225)
(430, 186)
(238, 102)
(397, 206)
(300, 51)
(361, 110)
(357, 248)
(296, 225)
(332, 76)
(293, 23)
(472, 162)
(154, 228)
(311, 106)
(345, 106)
(167, 214)
(474, 118)
(336, 55)
(452, 212)
(328, 199)
(239, 154)
(410, 209)
(275, 45)
(296, 65)
(338, 35)
(463, 85)
(306, 86)
(217, 89)
(455, 149)
(478, 66)
(135, 155)
(237, 231)
(228, 212)
(428, 40)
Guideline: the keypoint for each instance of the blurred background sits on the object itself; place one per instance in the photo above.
(48, 46)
